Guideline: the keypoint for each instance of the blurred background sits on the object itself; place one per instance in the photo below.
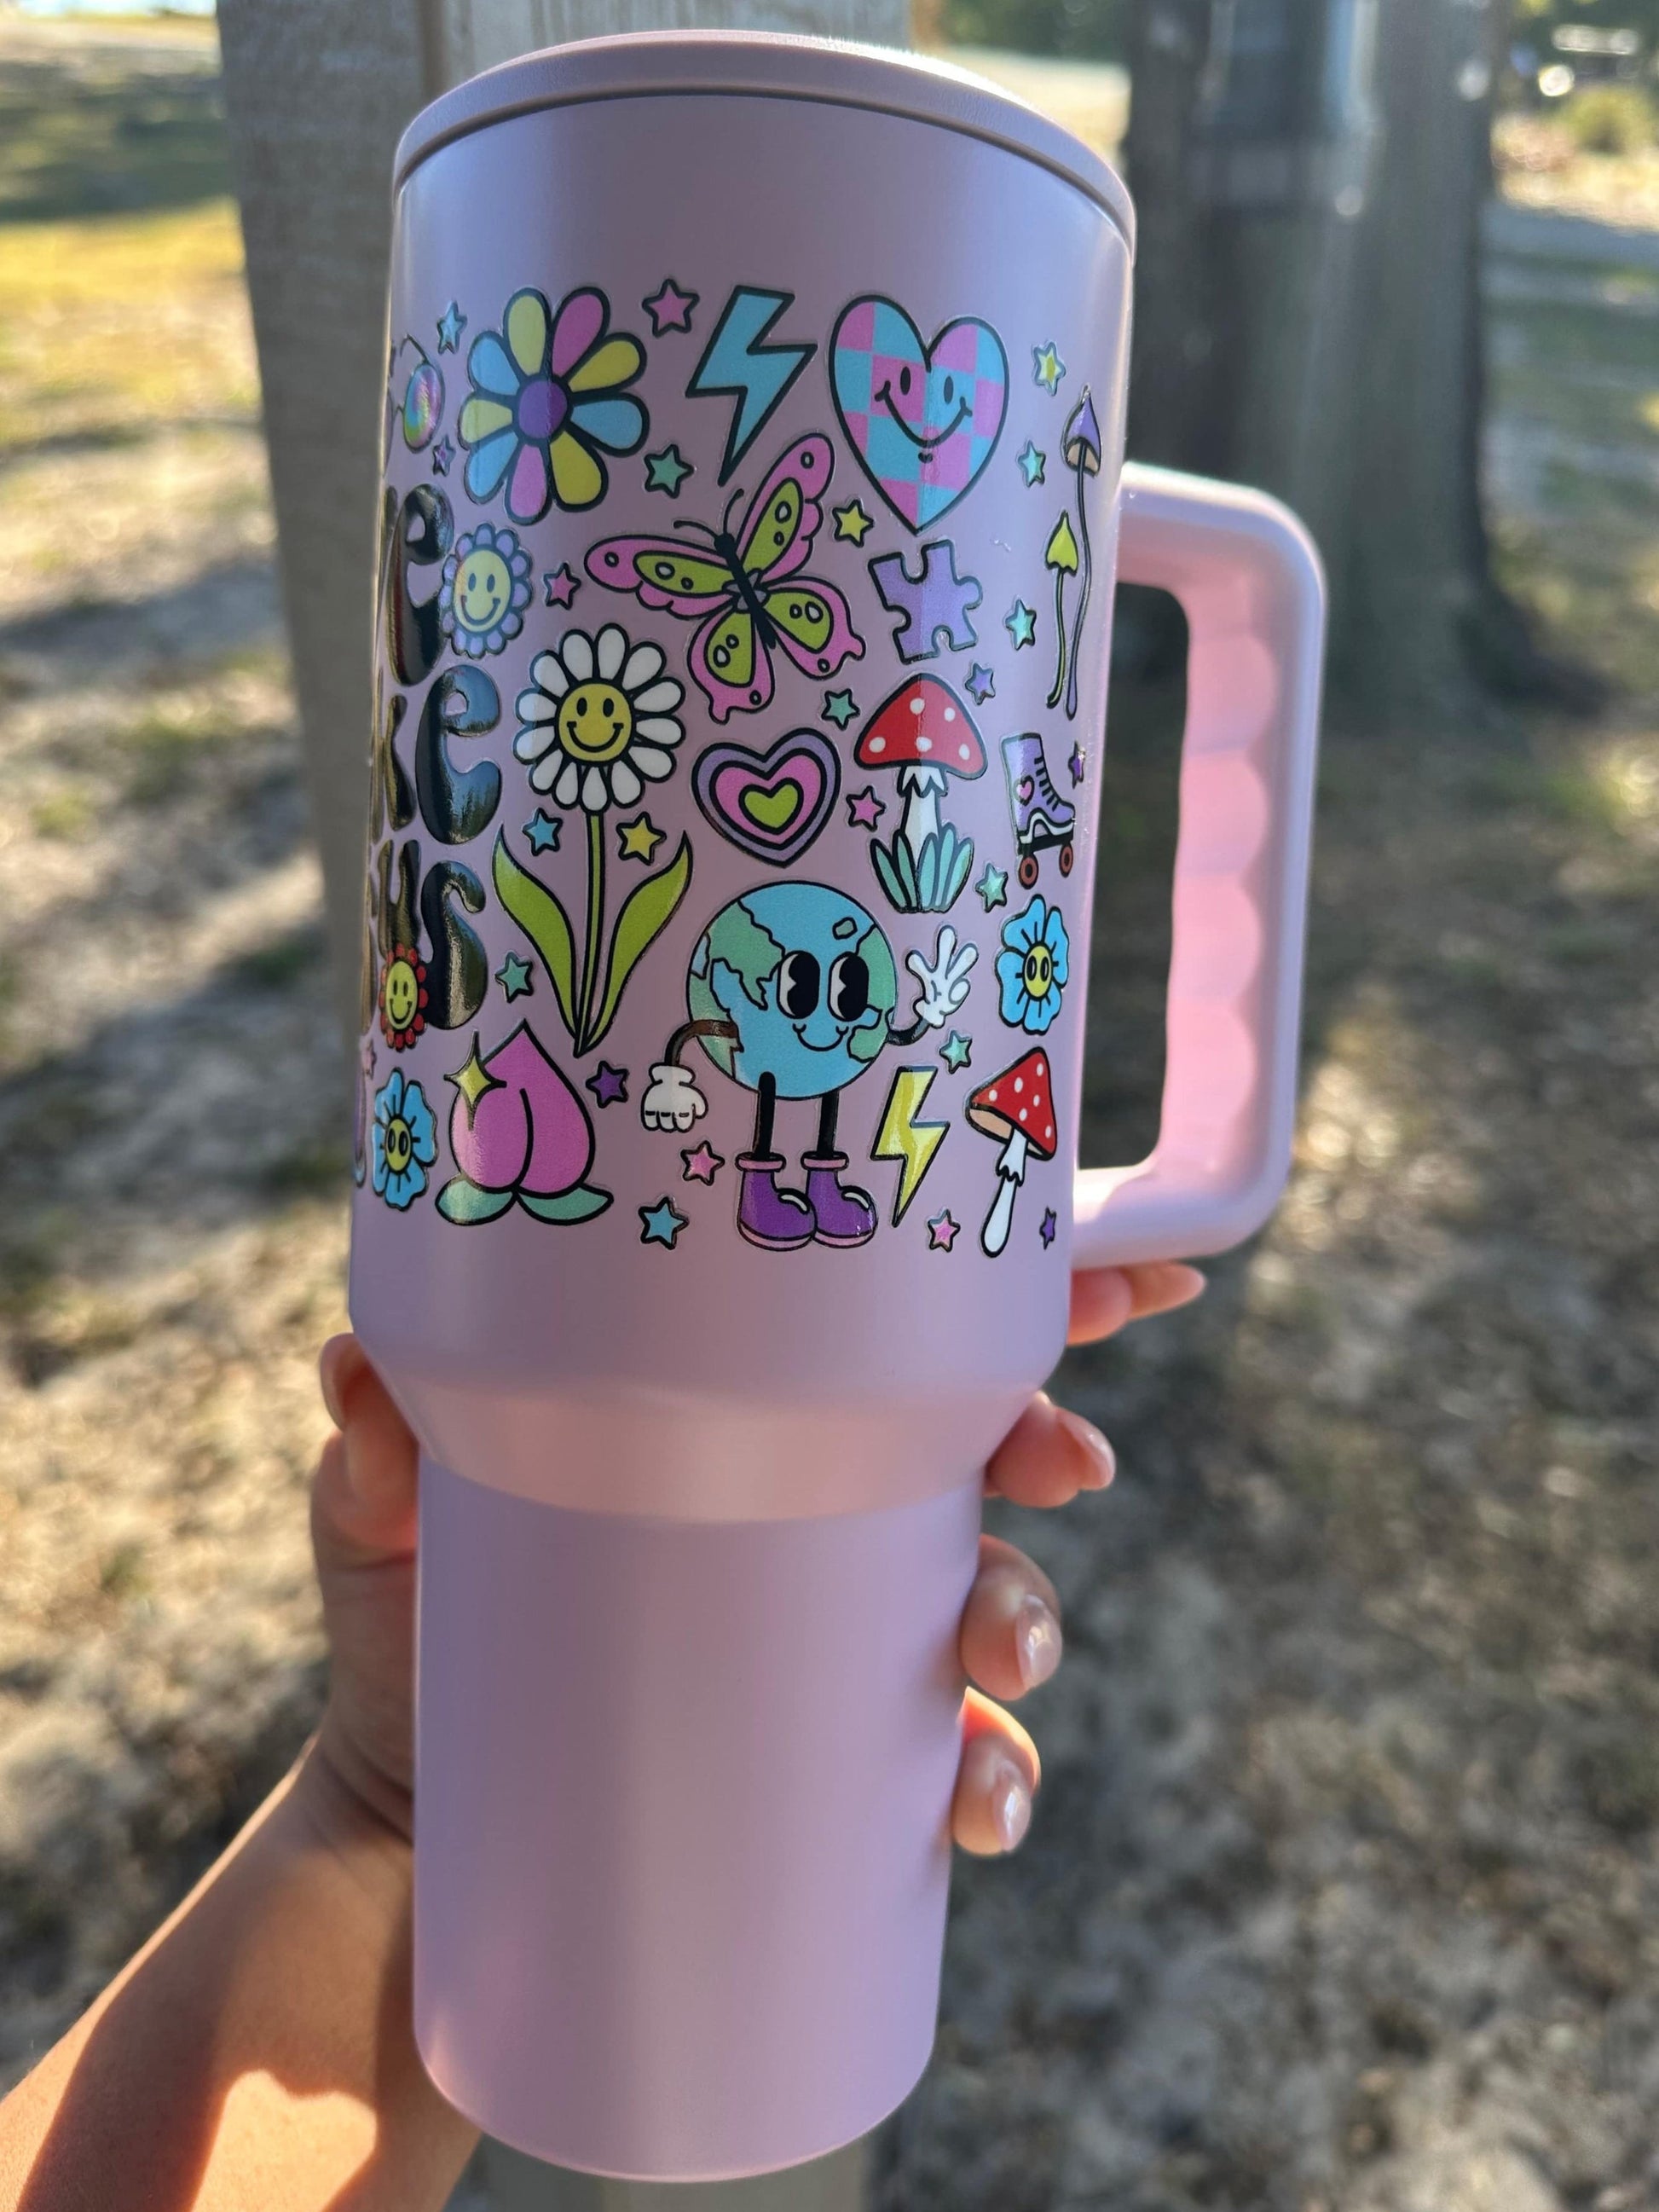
(1342, 1889)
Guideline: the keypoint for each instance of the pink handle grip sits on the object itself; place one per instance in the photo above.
(1249, 578)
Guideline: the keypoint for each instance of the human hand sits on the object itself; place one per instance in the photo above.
(673, 1100)
(364, 1531)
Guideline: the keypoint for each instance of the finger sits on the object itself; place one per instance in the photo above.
(1049, 1455)
(1009, 1639)
(996, 1781)
(1104, 1299)
(363, 1498)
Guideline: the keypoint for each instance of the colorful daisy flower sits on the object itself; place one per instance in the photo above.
(548, 393)
(1033, 968)
(485, 591)
(598, 719)
(405, 1141)
(402, 997)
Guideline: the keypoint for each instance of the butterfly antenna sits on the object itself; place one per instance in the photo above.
(700, 529)
(731, 509)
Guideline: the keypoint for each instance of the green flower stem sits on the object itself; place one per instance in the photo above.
(592, 949)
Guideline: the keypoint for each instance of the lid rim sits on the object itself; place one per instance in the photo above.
(760, 64)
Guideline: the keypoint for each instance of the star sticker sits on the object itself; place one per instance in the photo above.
(1020, 622)
(541, 832)
(942, 1232)
(669, 308)
(956, 1051)
(864, 809)
(840, 707)
(514, 977)
(1049, 1226)
(1031, 463)
(472, 1079)
(560, 585)
(1047, 367)
(660, 1225)
(1076, 762)
(852, 522)
(639, 838)
(370, 1058)
(608, 1084)
(443, 454)
(451, 324)
(981, 684)
(667, 471)
(992, 887)
(703, 1164)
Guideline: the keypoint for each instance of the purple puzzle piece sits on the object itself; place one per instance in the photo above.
(934, 605)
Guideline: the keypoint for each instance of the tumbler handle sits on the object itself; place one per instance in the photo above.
(1247, 576)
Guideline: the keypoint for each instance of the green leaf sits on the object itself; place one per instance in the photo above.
(463, 1201)
(886, 874)
(543, 920)
(647, 912)
(579, 1205)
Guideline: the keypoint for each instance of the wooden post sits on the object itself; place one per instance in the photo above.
(318, 92)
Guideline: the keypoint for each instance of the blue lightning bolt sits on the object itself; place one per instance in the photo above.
(737, 365)
(902, 1137)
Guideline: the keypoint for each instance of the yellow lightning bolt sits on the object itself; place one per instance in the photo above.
(902, 1137)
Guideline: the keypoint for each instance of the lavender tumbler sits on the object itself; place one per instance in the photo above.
(753, 503)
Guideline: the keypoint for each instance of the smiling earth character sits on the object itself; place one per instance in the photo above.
(792, 991)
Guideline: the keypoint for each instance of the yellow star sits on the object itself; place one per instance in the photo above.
(473, 1078)
(639, 838)
(852, 522)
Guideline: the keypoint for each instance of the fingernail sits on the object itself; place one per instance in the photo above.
(1102, 1459)
(1011, 1807)
(1037, 1640)
(326, 1376)
(1181, 1285)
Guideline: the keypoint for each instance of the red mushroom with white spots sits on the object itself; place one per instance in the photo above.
(926, 734)
(1018, 1108)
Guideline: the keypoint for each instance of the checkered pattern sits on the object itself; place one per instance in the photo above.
(876, 344)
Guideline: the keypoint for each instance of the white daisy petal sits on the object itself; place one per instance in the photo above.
(568, 785)
(530, 744)
(595, 797)
(643, 662)
(661, 699)
(662, 727)
(624, 784)
(542, 775)
(536, 707)
(610, 651)
(576, 651)
(549, 672)
(652, 763)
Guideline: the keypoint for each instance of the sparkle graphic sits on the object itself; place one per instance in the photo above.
(669, 308)
(1049, 1229)
(1031, 463)
(659, 1224)
(560, 585)
(852, 522)
(703, 1164)
(608, 1084)
(942, 1232)
(981, 684)
(667, 471)
(864, 809)
(472, 1079)
(1047, 367)
(541, 832)
(639, 838)
(515, 977)
(1020, 622)
(956, 1051)
(992, 887)
(902, 1137)
(840, 707)
(451, 324)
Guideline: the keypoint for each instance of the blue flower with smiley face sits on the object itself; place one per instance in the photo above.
(485, 591)
(1033, 968)
(404, 1140)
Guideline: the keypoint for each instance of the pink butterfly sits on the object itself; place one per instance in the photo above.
(744, 592)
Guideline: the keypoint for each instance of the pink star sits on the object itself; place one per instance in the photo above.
(942, 1232)
(703, 1164)
(669, 308)
(560, 586)
(864, 811)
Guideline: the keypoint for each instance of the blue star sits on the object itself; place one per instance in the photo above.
(667, 471)
(981, 684)
(451, 324)
(1031, 463)
(1020, 622)
(660, 1225)
(992, 887)
(541, 832)
(840, 707)
(1049, 1228)
(956, 1051)
(514, 977)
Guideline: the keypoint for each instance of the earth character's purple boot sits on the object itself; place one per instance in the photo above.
(779, 1221)
(844, 1216)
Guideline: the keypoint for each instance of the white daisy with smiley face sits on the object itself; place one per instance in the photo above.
(485, 591)
(598, 720)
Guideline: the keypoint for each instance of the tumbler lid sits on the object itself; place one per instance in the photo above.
(826, 70)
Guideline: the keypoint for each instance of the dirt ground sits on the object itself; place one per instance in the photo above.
(1341, 1894)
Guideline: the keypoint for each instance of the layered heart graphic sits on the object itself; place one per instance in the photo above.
(923, 416)
(771, 805)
